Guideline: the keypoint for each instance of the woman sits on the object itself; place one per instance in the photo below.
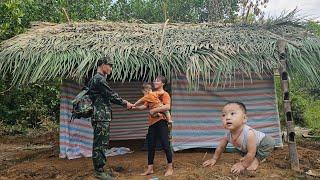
(158, 127)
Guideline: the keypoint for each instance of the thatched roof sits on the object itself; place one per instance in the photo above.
(49, 50)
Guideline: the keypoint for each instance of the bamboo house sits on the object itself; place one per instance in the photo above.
(207, 64)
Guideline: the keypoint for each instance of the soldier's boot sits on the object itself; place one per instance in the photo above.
(102, 176)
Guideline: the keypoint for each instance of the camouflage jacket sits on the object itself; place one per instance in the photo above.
(102, 95)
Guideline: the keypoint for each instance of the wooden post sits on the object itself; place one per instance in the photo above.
(294, 160)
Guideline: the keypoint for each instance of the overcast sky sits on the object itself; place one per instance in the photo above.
(310, 8)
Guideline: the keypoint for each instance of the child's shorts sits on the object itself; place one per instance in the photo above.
(264, 149)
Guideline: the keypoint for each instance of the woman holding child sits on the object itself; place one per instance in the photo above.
(158, 122)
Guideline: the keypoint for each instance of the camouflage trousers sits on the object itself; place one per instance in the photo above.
(101, 133)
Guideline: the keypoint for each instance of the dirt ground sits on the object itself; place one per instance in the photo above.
(37, 158)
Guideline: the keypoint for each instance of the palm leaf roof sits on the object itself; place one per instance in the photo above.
(201, 51)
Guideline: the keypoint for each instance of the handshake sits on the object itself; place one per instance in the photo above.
(138, 106)
(130, 106)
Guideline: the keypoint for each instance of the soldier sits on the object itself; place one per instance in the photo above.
(102, 95)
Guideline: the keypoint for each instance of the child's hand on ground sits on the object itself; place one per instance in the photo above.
(210, 162)
(237, 168)
(242, 159)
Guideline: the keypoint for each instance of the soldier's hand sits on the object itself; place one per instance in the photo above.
(130, 105)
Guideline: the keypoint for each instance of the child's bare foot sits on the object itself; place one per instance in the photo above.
(169, 119)
(148, 171)
(169, 170)
(254, 165)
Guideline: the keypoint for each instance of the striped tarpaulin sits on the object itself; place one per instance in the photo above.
(76, 136)
(196, 114)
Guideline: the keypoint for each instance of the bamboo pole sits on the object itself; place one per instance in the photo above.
(294, 160)
(67, 16)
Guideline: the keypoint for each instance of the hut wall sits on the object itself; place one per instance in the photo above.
(197, 114)
(76, 136)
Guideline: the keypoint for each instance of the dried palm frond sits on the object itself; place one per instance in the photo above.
(202, 51)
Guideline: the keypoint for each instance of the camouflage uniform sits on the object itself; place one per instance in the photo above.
(102, 96)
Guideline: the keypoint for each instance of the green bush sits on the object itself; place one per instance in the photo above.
(305, 104)
(27, 107)
(11, 22)
(312, 115)
(314, 27)
(299, 103)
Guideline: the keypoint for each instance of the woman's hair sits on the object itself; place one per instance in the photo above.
(242, 106)
(162, 79)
